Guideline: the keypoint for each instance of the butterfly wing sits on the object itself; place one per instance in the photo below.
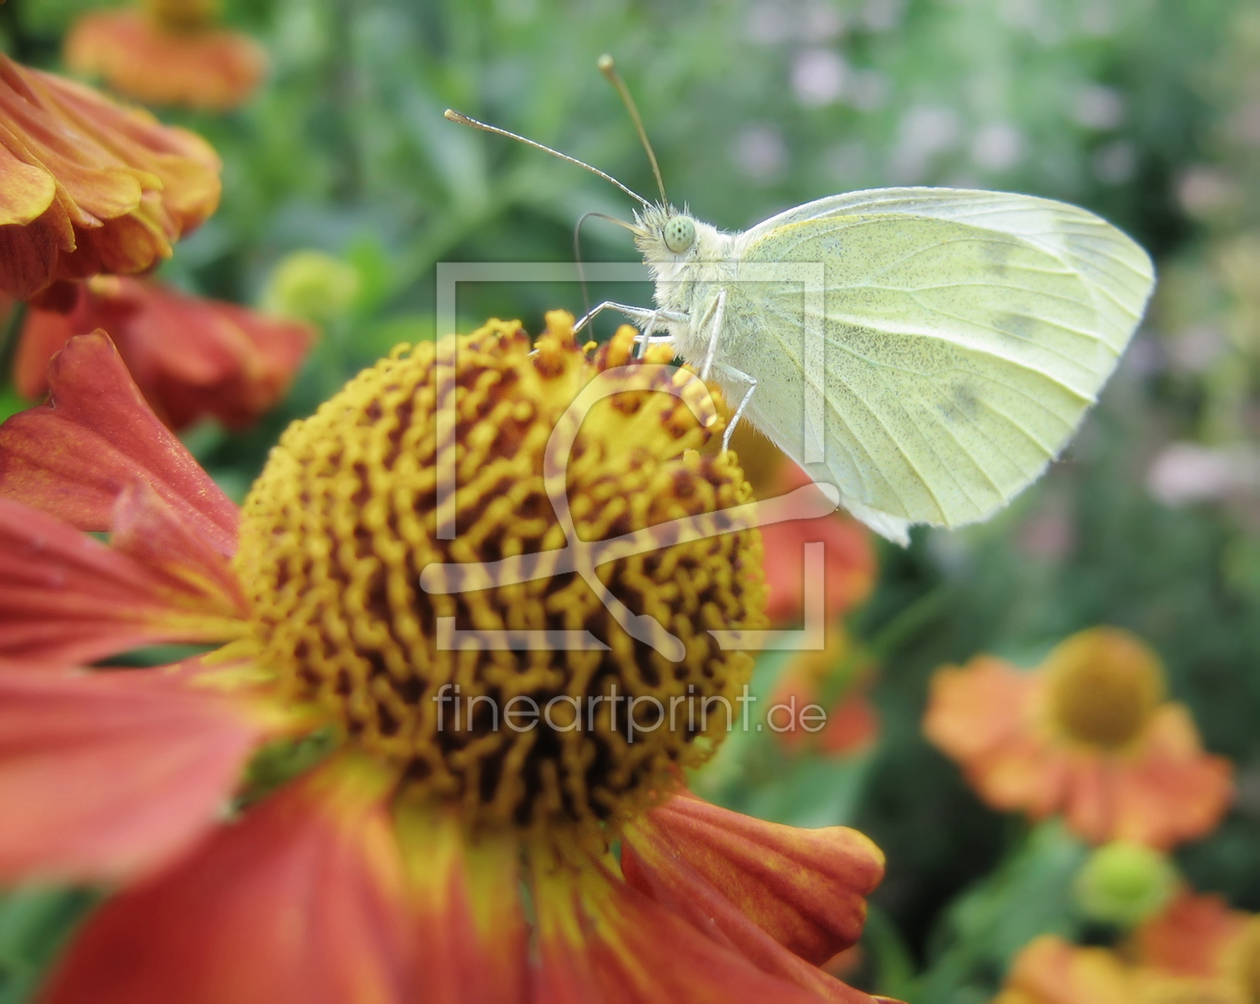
(965, 334)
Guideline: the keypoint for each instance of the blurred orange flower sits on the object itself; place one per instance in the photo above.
(1200, 936)
(1197, 951)
(89, 186)
(851, 724)
(391, 870)
(849, 563)
(1049, 970)
(1087, 734)
(169, 53)
(191, 357)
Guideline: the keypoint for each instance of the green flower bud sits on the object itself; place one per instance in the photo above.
(1124, 883)
(311, 286)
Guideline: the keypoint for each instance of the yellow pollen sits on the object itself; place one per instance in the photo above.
(1103, 686)
(343, 520)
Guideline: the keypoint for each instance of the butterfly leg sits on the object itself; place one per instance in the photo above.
(739, 411)
(638, 314)
(714, 316)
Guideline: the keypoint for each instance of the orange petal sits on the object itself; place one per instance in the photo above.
(974, 707)
(471, 934)
(124, 187)
(602, 940)
(27, 192)
(75, 456)
(301, 901)
(66, 598)
(106, 774)
(1191, 936)
(983, 715)
(1171, 791)
(805, 888)
(28, 256)
(1050, 971)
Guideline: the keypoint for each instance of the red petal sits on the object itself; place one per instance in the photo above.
(105, 774)
(602, 940)
(66, 598)
(76, 455)
(805, 888)
(190, 357)
(471, 933)
(44, 332)
(302, 902)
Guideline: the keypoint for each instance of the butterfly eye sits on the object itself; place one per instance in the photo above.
(680, 234)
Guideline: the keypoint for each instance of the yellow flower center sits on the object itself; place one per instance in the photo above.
(1103, 687)
(183, 14)
(543, 735)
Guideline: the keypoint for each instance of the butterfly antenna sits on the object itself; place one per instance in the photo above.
(577, 250)
(462, 119)
(609, 69)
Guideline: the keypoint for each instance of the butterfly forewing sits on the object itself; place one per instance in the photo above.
(966, 334)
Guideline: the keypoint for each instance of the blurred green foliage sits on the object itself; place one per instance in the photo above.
(1147, 111)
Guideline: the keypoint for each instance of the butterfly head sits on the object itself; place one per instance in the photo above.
(663, 233)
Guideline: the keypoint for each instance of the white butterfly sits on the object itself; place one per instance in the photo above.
(965, 334)
(960, 335)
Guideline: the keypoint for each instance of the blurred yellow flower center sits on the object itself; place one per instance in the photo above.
(344, 519)
(1103, 687)
(185, 14)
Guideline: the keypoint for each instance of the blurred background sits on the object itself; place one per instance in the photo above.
(1146, 111)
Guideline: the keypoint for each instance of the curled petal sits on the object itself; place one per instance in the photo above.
(806, 888)
(103, 775)
(602, 940)
(75, 456)
(301, 901)
(66, 598)
(471, 935)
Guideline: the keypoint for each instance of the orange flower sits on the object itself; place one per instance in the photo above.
(190, 357)
(170, 53)
(1197, 951)
(390, 871)
(89, 186)
(1087, 734)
